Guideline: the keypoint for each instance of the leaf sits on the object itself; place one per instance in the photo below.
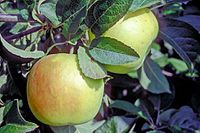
(8, 9)
(126, 106)
(15, 123)
(30, 4)
(15, 128)
(193, 20)
(24, 13)
(88, 127)
(138, 4)
(183, 38)
(89, 67)
(166, 99)
(105, 13)
(155, 131)
(187, 112)
(133, 74)
(20, 53)
(3, 80)
(179, 65)
(72, 24)
(129, 107)
(1, 114)
(49, 11)
(19, 27)
(68, 8)
(114, 125)
(152, 79)
(160, 58)
(166, 115)
(52, 1)
(110, 51)
(72, 14)
(63, 129)
(146, 108)
(184, 118)
(7, 86)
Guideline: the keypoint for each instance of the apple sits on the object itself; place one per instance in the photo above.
(137, 30)
(59, 94)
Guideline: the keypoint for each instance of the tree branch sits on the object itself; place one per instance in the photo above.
(24, 33)
(1, 1)
(13, 18)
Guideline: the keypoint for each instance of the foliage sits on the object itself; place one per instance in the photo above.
(141, 101)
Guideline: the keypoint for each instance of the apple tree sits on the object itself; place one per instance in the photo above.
(102, 66)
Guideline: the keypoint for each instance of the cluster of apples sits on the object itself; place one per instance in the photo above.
(59, 94)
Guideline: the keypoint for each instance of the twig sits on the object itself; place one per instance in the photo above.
(54, 45)
(24, 33)
(13, 18)
(1, 1)
(169, 74)
(158, 112)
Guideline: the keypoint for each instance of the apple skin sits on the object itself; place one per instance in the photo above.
(59, 94)
(137, 30)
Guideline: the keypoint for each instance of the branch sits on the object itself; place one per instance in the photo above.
(1, 1)
(13, 18)
(24, 33)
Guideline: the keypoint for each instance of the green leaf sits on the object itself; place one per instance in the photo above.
(105, 13)
(160, 58)
(152, 79)
(138, 4)
(63, 129)
(179, 65)
(53, 1)
(15, 123)
(3, 80)
(8, 9)
(24, 13)
(19, 52)
(15, 128)
(19, 27)
(72, 24)
(88, 127)
(1, 23)
(133, 75)
(72, 13)
(114, 125)
(112, 52)
(30, 4)
(155, 131)
(144, 113)
(179, 43)
(129, 107)
(89, 67)
(49, 11)
(1, 114)
(156, 46)
(68, 8)
(126, 106)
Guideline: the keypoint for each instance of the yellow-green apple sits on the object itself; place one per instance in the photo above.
(59, 94)
(136, 30)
